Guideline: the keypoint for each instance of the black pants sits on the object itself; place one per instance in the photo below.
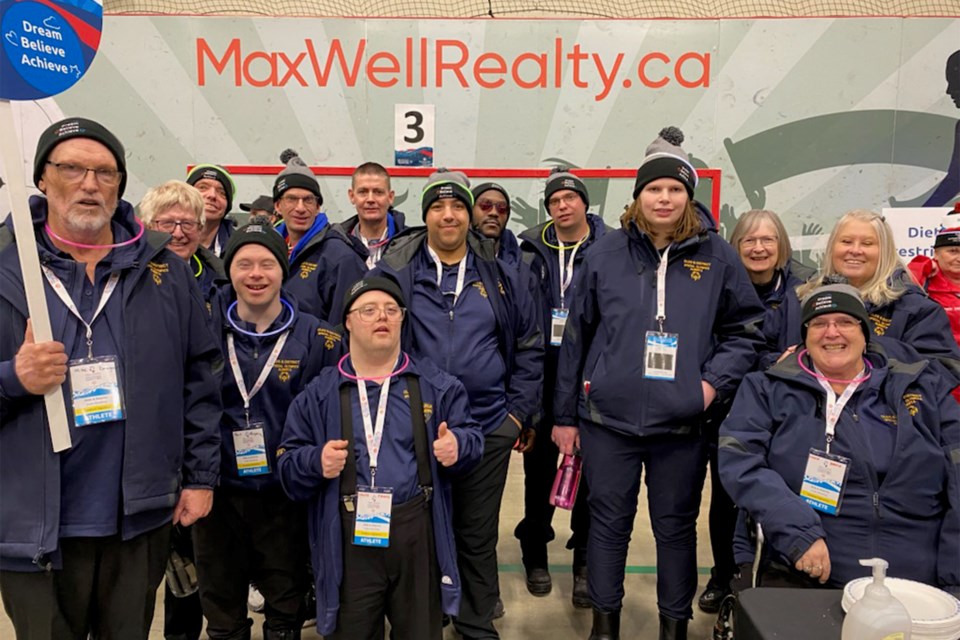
(182, 617)
(723, 523)
(476, 523)
(106, 589)
(536, 528)
(674, 468)
(400, 583)
(251, 537)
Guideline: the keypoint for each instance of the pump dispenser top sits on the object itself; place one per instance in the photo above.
(878, 615)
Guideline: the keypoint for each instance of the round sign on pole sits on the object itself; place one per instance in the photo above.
(47, 45)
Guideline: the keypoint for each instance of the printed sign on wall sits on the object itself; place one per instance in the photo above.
(413, 135)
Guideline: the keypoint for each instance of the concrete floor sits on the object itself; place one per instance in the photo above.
(553, 617)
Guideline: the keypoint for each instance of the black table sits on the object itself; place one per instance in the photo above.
(789, 614)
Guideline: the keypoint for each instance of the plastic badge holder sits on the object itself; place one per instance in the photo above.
(565, 485)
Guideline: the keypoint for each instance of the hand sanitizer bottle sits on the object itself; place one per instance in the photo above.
(877, 615)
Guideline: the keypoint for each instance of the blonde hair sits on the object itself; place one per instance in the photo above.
(688, 225)
(880, 289)
(171, 194)
(748, 223)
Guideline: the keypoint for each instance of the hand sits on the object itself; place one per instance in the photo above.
(192, 505)
(815, 562)
(709, 393)
(40, 367)
(787, 353)
(445, 447)
(526, 440)
(567, 439)
(333, 458)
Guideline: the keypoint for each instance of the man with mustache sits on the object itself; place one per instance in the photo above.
(86, 531)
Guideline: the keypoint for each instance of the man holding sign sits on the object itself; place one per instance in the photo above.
(85, 533)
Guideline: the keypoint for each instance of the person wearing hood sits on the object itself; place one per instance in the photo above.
(554, 251)
(218, 189)
(376, 222)
(86, 531)
(663, 322)
(849, 446)
(323, 261)
(861, 249)
(469, 314)
(254, 532)
(178, 209)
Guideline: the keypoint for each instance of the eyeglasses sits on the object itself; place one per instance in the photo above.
(567, 198)
(75, 173)
(371, 312)
(843, 325)
(763, 241)
(167, 226)
(486, 205)
(308, 201)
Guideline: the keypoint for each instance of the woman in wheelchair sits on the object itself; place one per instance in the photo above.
(849, 448)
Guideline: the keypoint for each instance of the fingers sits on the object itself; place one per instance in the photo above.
(443, 430)
(333, 458)
(339, 444)
(28, 334)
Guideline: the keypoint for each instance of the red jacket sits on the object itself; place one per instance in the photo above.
(941, 290)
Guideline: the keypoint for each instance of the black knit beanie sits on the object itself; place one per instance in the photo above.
(665, 159)
(444, 183)
(295, 174)
(834, 296)
(560, 179)
(77, 128)
(218, 173)
(257, 231)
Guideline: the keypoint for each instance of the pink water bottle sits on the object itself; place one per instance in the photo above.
(565, 485)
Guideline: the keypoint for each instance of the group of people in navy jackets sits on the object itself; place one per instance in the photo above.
(322, 416)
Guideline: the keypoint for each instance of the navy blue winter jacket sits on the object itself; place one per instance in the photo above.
(171, 373)
(310, 346)
(314, 419)
(710, 303)
(910, 516)
(209, 272)
(781, 322)
(544, 266)
(322, 270)
(519, 337)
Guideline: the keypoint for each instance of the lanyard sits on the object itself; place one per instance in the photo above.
(61, 292)
(374, 247)
(835, 405)
(461, 273)
(373, 432)
(264, 373)
(662, 288)
(566, 275)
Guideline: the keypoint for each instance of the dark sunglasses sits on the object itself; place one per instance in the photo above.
(486, 205)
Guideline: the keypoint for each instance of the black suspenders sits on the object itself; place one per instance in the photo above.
(348, 477)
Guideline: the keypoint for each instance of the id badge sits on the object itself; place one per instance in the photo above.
(251, 450)
(824, 480)
(95, 391)
(372, 527)
(660, 355)
(558, 320)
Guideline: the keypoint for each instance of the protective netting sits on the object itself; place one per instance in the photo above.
(540, 8)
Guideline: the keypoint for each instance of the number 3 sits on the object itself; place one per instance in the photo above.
(415, 126)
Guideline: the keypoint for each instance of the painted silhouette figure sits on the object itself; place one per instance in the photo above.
(950, 187)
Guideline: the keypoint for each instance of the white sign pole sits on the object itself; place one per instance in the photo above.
(30, 266)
